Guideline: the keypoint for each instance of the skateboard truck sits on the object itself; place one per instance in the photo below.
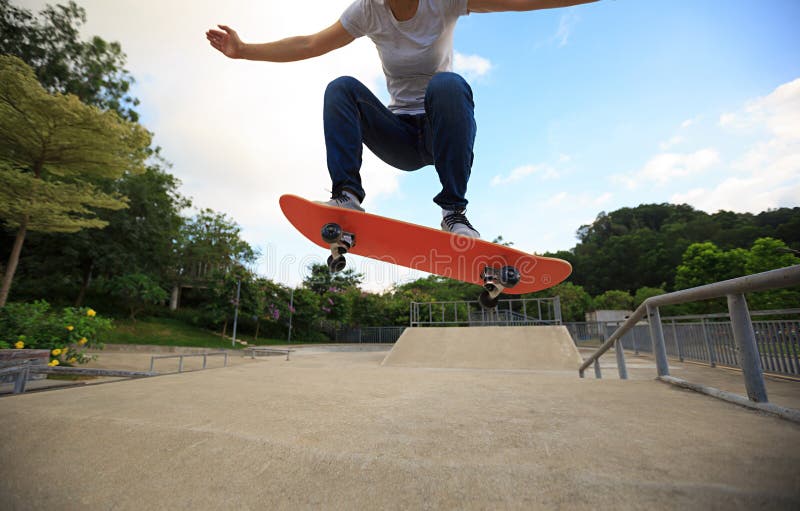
(340, 243)
(495, 280)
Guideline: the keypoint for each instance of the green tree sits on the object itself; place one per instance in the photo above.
(136, 290)
(138, 239)
(399, 303)
(770, 254)
(705, 263)
(50, 43)
(575, 301)
(442, 289)
(306, 316)
(643, 293)
(49, 146)
(370, 309)
(210, 243)
(614, 299)
(320, 279)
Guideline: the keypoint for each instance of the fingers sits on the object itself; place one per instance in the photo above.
(227, 29)
(222, 40)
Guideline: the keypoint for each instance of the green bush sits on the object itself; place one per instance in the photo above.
(67, 334)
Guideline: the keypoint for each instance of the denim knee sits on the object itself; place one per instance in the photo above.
(447, 86)
(343, 84)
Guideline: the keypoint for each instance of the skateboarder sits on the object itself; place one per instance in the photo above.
(430, 119)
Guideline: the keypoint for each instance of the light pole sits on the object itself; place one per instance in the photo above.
(291, 310)
(236, 312)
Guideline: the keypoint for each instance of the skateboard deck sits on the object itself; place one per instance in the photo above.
(423, 248)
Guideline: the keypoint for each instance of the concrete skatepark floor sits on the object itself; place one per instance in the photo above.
(337, 430)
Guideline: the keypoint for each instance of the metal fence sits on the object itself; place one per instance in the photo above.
(369, 334)
(708, 339)
(511, 312)
(712, 342)
(586, 333)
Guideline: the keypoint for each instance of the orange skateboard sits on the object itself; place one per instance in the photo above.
(498, 268)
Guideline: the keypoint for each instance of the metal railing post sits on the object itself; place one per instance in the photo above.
(180, 364)
(597, 373)
(745, 339)
(657, 334)
(712, 353)
(677, 342)
(623, 369)
(22, 378)
(557, 309)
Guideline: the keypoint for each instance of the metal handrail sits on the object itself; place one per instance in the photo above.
(23, 370)
(180, 358)
(774, 279)
(744, 336)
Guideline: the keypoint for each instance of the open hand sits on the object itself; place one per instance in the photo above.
(226, 41)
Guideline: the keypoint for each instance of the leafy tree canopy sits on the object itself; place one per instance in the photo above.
(50, 146)
(320, 280)
(50, 43)
(632, 248)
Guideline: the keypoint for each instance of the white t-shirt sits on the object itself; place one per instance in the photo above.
(411, 51)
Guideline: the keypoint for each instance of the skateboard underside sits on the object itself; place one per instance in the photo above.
(497, 268)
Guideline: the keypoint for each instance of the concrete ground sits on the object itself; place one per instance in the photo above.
(336, 430)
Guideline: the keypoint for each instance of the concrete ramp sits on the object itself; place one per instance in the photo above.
(490, 347)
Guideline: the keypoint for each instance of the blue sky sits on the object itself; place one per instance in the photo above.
(579, 110)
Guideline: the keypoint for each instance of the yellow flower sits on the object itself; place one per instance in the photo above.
(91, 313)
(72, 360)
(83, 341)
(53, 363)
(64, 350)
(56, 352)
(70, 328)
(19, 345)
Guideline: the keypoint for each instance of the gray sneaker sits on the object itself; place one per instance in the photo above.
(343, 200)
(457, 223)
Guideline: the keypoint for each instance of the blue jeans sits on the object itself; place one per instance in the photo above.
(443, 136)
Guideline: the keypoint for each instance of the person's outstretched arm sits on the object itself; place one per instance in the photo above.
(290, 49)
(520, 5)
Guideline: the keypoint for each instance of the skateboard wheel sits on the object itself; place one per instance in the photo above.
(509, 276)
(331, 233)
(486, 301)
(336, 265)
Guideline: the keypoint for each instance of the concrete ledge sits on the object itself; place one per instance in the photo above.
(784, 413)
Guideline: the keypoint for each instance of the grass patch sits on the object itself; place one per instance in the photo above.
(164, 332)
(159, 331)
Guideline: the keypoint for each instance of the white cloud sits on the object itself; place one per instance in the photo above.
(665, 168)
(672, 142)
(566, 26)
(690, 122)
(519, 173)
(727, 119)
(566, 201)
(741, 195)
(239, 133)
(767, 173)
(471, 66)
